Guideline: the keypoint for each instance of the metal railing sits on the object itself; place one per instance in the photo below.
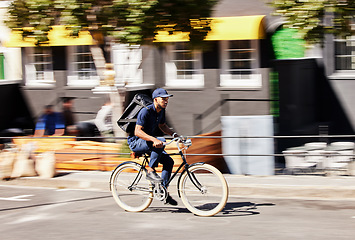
(277, 153)
(123, 139)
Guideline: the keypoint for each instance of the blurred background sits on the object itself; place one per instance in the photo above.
(236, 69)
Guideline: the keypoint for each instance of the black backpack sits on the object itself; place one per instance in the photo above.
(127, 121)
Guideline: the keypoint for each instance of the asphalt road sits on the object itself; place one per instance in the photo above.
(29, 213)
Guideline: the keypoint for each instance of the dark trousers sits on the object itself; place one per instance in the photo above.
(157, 155)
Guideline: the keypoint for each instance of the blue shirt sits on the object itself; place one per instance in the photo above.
(149, 119)
(50, 122)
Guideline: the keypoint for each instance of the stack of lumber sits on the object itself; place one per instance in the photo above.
(90, 155)
(71, 154)
(84, 155)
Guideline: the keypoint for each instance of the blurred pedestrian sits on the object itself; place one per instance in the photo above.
(103, 121)
(72, 127)
(50, 123)
(68, 115)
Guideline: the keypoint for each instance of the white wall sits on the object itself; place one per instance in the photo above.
(13, 65)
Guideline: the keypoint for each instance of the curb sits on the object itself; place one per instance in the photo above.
(301, 192)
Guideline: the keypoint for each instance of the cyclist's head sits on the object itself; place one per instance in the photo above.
(160, 92)
(48, 109)
(161, 98)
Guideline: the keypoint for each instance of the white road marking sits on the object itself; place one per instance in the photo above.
(30, 218)
(20, 198)
(26, 187)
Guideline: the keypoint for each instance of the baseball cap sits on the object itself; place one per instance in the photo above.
(160, 92)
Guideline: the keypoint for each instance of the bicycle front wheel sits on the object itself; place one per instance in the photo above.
(129, 187)
(203, 190)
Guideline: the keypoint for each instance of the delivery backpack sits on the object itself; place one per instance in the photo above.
(127, 121)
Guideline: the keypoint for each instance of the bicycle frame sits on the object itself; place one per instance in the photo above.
(183, 164)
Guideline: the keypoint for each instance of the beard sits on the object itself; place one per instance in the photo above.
(161, 106)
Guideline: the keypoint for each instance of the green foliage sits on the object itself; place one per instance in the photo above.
(34, 13)
(315, 18)
(127, 21)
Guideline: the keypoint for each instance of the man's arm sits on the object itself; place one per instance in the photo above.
(139, 132)
(38, 133)
(59, 125)
(40, 127)
(59, 132)
(165, 129)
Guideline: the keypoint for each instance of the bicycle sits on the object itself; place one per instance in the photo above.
(201, 187)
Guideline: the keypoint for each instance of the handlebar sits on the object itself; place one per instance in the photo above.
(186, 142)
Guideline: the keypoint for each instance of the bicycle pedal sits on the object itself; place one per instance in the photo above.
(160, 192)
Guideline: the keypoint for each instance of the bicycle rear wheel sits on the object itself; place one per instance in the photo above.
(129, 187)
(204, 191)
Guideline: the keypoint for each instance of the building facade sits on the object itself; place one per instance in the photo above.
(231, 77)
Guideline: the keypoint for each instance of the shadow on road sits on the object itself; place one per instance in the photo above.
(232, 209)
(235, 209)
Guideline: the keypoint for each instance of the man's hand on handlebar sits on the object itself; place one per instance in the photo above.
(157, 143)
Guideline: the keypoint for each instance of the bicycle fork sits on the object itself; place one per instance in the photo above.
(193, 179)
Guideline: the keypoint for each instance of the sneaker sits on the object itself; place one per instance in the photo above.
(171, 201)
(154, 177)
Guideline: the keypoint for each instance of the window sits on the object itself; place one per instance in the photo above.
(240, 64)
(184, 67)
(345, 53)
(39, 69)
(127, 60)
(82, 70)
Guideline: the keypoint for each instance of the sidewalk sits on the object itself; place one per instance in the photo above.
(278, 186)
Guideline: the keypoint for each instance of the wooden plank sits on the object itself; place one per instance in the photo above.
(208, 146)
(91, 155)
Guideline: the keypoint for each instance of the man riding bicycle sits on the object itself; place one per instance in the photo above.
(144, 139)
